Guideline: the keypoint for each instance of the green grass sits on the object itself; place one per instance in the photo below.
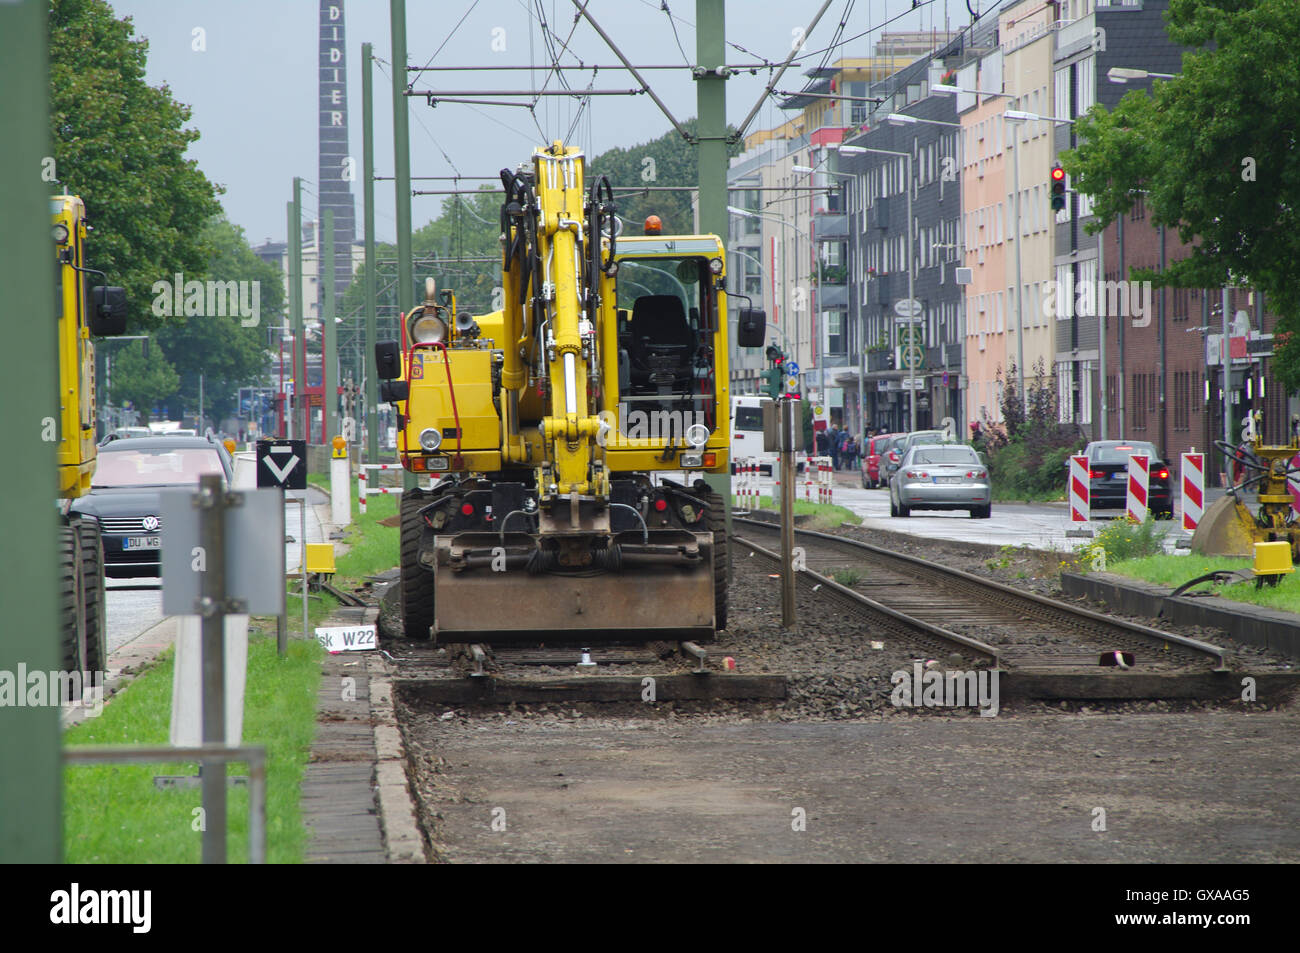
(1173, 571)
(824, 515)
(114, 814)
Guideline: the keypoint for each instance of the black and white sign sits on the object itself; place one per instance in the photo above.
(347, 638)
(282, 463)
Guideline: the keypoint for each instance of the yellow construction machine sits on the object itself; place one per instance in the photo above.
(1228, 527)
(81, 311)
(543, 423)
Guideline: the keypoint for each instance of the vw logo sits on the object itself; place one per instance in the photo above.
(150, 523)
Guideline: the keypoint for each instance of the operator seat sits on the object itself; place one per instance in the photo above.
(663, 343)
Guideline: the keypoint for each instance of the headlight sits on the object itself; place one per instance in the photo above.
(60, 233)
(430, 439)
(427, 328)
(715, 265)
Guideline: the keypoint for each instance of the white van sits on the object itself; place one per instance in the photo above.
(747, 434)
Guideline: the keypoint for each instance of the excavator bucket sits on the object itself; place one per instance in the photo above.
(1225, 529)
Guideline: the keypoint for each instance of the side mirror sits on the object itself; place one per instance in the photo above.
(751, 327)
(107, 311)
(392, 391)
(388, 360)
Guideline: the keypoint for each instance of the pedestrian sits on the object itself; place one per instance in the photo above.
(834, 448)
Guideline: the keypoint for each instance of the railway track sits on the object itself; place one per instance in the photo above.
(979, 619)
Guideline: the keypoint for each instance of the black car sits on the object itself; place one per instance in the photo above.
(1108, 476)
(124, 493)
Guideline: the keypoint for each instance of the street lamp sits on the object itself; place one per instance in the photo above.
(1121, 74)
(911, 263)
(1017, 115)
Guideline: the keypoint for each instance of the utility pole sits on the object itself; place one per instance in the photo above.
(286, 406)
(1119, 326)
(295, 307)
(31, 789)
(711, 157)
(402, 178)
(368, 190)
(329, 335)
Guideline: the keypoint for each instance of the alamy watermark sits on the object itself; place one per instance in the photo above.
(621, 428)
(1120, 299)
(208, 299)
(38, 689)
(935, 688)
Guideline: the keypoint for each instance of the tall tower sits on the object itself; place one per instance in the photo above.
(338, 168)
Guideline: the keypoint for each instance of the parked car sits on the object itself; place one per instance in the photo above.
(124, 433)
(1108, 476)
(872, 460)
(894, 455)
(947, 476)
(124, 496)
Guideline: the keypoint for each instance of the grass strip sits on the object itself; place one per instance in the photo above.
(1174, 570)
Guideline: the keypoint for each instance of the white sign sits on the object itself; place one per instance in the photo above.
(908, 308)
(351, 638)
(913, 383)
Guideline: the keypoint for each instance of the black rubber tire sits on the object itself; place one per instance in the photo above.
(69, 607)
(982, 512)
(716, 520)
(92, 582)
(893, 510)
(904, 510)
(416, 581)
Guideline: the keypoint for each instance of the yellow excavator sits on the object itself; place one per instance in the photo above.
(543, 423)
(82, 311)
(1228, 527)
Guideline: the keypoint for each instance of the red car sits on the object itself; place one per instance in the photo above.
(872, 463)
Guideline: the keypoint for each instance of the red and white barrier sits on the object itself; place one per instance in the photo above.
(1139, 479)
(363, 490)
(1080, 500)
(826, 482)
(747, 487)
(1193, 478)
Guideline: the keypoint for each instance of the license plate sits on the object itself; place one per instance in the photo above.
(947, 479)
(142, 542)
(1120, 476)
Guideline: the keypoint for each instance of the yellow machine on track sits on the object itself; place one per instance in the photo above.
(545, 419)
(81, 311)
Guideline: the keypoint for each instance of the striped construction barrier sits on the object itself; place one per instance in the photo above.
(1193, 480)
(364, 490)
(826, 482)
(747, 489)
(1080, 505)
(1139, 479)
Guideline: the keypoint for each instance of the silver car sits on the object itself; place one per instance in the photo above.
(941, 477)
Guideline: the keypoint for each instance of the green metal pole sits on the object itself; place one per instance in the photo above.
(329, 353)
(295, 305)
(372, 334)
(402, 176)
(31, 790)
(291, 377)
(711, 157)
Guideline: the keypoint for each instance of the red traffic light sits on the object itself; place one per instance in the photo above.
(1058, 174)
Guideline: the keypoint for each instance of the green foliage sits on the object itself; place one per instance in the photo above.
(846, 577)
(1122, 539)
(1027, 456)
(120, 144)
(144, 381)
(1215, 151)
(226, 353)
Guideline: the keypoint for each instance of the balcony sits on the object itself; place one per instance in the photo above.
(830, 227)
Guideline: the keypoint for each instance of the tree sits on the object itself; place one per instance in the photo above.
(228, 352)
(144, 381)
(120, 144)
(1215, 151)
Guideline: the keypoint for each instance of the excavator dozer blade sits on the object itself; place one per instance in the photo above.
(643, 602)
(1224, 530)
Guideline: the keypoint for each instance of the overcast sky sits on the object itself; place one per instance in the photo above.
(253, 89)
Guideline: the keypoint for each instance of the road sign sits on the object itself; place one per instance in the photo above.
(792, 383)
(282, 463)
(908, 308)
(791, 367)
(254, 554)
(913, 357)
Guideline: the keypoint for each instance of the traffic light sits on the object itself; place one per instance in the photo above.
(774, 376)
(1058, 188)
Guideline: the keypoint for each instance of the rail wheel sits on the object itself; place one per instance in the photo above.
(91, 554)
(416, 582)
(716, 520)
